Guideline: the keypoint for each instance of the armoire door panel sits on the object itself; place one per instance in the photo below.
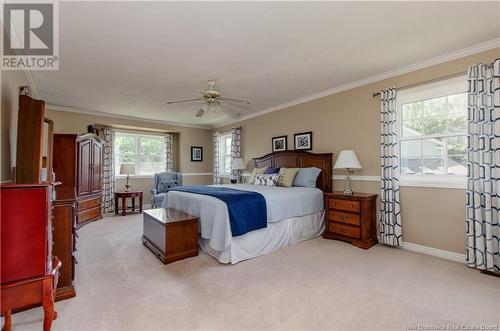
(84, 173)
(96, 167)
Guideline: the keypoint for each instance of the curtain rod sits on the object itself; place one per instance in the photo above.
(457, 74)
(134, 130)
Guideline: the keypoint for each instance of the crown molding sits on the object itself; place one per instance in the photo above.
(457, 54)
(126, 117)
(485, 46)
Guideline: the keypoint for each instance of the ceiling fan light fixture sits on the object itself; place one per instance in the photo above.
(212, 100)
(213, 108)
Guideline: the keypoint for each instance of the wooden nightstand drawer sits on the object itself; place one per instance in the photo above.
(344, 230)
(348, 218)
(351, 218)
(347, 205)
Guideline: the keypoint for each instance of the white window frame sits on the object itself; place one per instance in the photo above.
(137, 136)
(223, 153)
(429, 91)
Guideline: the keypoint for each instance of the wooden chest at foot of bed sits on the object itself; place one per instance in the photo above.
(170, 234)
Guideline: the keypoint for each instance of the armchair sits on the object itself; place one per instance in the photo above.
(163, 181)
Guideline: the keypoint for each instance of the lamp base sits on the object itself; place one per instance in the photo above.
(347, 191)
(127, 185)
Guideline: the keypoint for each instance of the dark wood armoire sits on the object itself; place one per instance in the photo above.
(78, 165)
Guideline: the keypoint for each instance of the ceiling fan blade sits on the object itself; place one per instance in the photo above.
(230, 111)
(236, 100)
(200, 113)
(184, 100)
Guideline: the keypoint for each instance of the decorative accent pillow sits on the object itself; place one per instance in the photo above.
(287, 175)
(267, 180)
(166, 185)
(306, 177)
(272, 170)
(255, 172)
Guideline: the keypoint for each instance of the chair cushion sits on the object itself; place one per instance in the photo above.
(158, 199)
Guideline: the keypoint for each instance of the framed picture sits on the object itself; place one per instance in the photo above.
(196, 154)
(279, 144)
(303, 141)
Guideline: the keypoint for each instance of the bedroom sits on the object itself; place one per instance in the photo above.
(305, 68)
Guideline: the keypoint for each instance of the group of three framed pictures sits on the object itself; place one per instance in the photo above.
(302, 141)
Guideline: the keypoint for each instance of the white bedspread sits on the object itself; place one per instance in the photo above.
(282, 203)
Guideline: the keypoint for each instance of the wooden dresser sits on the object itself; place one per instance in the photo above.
(351, 218)
(29, 270)
(78, 165)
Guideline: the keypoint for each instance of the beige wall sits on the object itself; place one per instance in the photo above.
(11, 80)
(68, 122)
(350, 120)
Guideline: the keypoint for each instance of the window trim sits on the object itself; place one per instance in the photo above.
(137, 134)
(438, 89)
(223, 137)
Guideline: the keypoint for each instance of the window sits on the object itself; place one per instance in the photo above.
(225, 154)
(146, 152)
(433, 132)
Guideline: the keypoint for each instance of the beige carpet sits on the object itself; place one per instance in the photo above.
(318, 284)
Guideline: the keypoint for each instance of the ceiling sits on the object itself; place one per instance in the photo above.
(129, 58)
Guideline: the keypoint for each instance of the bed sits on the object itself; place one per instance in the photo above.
(293, 214)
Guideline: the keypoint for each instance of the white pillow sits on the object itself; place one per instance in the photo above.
(267, 180)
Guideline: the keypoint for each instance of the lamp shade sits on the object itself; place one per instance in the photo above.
(239, 164)
(127, 169)
(347, 160)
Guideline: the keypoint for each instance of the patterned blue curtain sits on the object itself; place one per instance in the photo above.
(390, 215)
(235, 146)
(483, 167)
(169, 152)
(108, 171)
(217, 178)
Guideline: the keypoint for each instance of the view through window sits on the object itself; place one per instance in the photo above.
(433, 132)
(146, 152)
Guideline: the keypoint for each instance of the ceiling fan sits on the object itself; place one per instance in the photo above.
(212, 101)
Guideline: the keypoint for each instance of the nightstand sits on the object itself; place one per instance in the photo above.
(351, 218)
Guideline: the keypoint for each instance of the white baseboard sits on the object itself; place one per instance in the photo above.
(447, 255)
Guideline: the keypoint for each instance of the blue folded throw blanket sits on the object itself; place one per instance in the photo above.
(247, 210)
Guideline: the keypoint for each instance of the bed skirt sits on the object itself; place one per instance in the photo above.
(277, 235)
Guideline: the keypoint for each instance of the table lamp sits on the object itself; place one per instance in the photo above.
(347, 160)
(127, 169)
(238, 164)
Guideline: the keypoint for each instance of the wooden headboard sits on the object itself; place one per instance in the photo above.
(300, 159)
